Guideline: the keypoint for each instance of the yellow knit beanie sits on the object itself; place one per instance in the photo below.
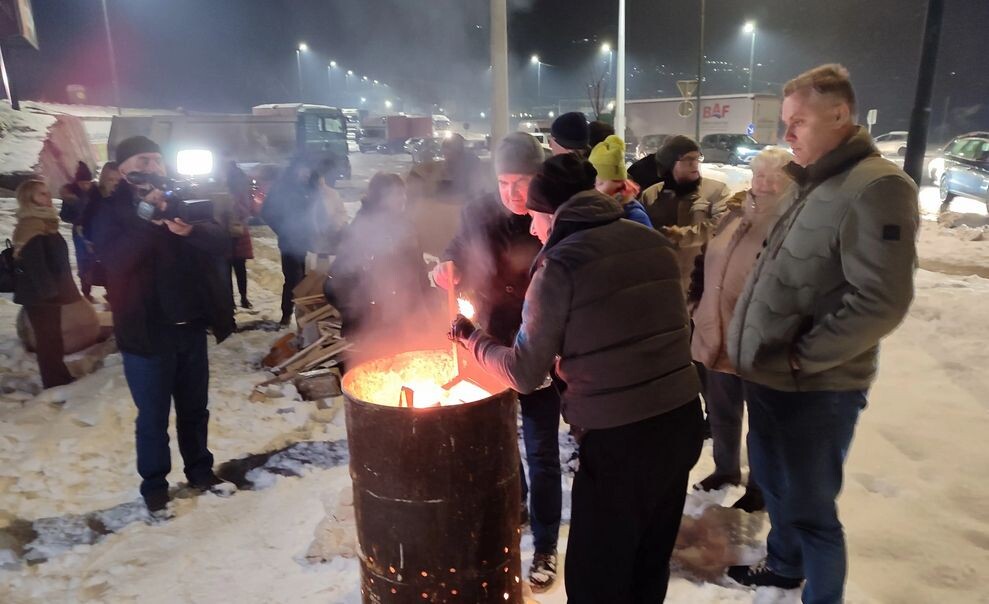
(608, 158)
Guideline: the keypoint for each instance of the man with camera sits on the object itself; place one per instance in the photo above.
(164, 262)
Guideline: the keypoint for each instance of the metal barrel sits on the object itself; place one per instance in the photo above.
(437, 499)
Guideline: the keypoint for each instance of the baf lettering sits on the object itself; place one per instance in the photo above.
(716, 110)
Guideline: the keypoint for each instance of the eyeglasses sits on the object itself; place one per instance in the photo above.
(691, 160)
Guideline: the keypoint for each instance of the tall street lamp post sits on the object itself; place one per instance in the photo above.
(750, 29)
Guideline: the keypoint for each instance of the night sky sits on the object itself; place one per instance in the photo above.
(227, 55)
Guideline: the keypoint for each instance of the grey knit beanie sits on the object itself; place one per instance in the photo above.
(518, 153)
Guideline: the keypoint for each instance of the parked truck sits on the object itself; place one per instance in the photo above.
(271, 135)
(757, 115)
(388, 134)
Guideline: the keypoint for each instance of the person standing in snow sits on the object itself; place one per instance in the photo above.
(715, 286)
(44, 284)
(489, 261)
(628, 386)
(75, 197)
(168, 284)
(680, 203)
(835, 277)
(608, 159)
(570, 133)
(108, 181)
(242, 249)
(288, 211)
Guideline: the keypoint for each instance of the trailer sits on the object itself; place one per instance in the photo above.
(754, 114)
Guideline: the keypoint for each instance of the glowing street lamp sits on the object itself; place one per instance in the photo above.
(534, 59)
(303, 47)
(749, 28)
(333, 64)
(388, 104)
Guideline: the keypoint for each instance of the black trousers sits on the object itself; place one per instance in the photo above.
(239, 268)
(628, 498)
(46, 320)
(293, 269)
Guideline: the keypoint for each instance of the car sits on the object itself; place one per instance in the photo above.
(732, 149)
(430, 149)
(650, 144)
(412, 144)
(892, 143)
(966, 168)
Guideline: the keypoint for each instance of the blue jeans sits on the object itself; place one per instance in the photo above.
(798, 442)
(541, 433)
(179, 370)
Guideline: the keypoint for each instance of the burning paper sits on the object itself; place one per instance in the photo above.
(465, 307)
(422, 375)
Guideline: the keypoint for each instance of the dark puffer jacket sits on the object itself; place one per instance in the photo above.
(45, 274)
(605, 298)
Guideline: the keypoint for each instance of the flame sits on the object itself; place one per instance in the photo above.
(465, 307)
(424, 372)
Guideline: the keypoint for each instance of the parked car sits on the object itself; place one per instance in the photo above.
(413, 143)
(892, 143)
(372, 139)
(966, 168)
(649, 144)
(430, 149)
(733, 149)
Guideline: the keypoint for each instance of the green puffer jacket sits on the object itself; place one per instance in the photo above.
(835, 275)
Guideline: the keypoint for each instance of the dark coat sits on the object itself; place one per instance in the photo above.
(288, 211)
(493, 251)
(378, 278)
(605, 306)
(645, 172)
(140, 257)
(46, 276)
(239, 186)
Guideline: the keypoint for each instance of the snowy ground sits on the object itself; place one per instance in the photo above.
(913, 504)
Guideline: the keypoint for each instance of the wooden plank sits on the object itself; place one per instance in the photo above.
(329, 353)
(316, 315)
(301, 354)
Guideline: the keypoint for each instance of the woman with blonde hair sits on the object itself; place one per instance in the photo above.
(44, 280)
(716, 284)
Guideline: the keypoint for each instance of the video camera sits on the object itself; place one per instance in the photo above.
(190, 211)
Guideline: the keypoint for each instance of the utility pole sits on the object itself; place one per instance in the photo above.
(700, 78)
(499, 71)
(620, 81)
(913, 163)
(113, 58)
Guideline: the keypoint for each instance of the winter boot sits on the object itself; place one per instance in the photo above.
(214, 484)
(759, 575)
(245, 303)
(715, 482)
(286, 320)
(752, 501)
(542, 573)
(156, 502)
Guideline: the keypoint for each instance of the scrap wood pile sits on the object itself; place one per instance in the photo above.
(308, 357)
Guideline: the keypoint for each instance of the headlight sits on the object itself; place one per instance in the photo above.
(743, 150)
(194, 162)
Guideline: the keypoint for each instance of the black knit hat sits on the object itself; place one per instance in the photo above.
(598, 131)
(518, 153)
(562, 177)
(672, 150)
(83, 173)
(135, 145)
(570, 131)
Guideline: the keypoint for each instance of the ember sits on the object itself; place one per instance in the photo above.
(423, 373)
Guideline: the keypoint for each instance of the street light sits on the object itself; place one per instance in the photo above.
(333, 64)
(606, 49)
(303, 47)
(749, 28)
(363, 100)
(539, 77)
(388, 104)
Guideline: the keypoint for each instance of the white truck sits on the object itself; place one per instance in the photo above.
(755, 114)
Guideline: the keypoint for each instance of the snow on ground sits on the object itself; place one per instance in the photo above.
(22, 136)
(913, 504)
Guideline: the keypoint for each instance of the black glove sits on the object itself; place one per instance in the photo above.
(461, 329)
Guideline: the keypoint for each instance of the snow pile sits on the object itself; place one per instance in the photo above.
(22, 137)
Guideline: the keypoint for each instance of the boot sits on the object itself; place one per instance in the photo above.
(715, 482)
(751, 502)
(542, 573)
(245, 303)
(759, 575)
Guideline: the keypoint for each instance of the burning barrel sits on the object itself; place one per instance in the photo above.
(436, 484)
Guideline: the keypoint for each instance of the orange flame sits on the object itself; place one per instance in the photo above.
(465, 307)
(424, 372)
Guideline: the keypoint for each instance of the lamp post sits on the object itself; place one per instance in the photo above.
(750, 29)
(620, 83)
(539, 77)
(607, 50)
(113, 58)
(303, 47)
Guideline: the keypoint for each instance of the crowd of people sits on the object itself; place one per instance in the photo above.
(626, 300)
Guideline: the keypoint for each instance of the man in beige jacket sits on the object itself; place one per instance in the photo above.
(835, 277)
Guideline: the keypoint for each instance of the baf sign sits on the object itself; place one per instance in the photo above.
(716, 111)
(17, 21)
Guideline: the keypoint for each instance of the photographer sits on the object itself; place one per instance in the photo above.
(166, 286)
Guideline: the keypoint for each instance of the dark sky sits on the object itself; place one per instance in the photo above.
(227, 55)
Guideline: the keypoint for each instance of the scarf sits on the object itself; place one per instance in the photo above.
(33, 220)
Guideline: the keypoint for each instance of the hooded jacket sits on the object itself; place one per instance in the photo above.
(605, 306)
(42, 256)
(835, 277)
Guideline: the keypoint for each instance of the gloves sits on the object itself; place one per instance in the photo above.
(461, 329)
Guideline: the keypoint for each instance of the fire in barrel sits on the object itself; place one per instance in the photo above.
(436, 484)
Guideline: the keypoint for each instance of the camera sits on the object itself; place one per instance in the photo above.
(190, 211)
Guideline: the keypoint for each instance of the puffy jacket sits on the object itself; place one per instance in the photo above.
(45, 274)
(836, 275)
(605, 299)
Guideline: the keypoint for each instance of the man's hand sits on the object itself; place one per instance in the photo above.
(156, 198)
(461, 330)
(179, 227)
(446, 275)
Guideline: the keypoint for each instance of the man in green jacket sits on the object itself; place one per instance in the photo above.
(834, 278)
